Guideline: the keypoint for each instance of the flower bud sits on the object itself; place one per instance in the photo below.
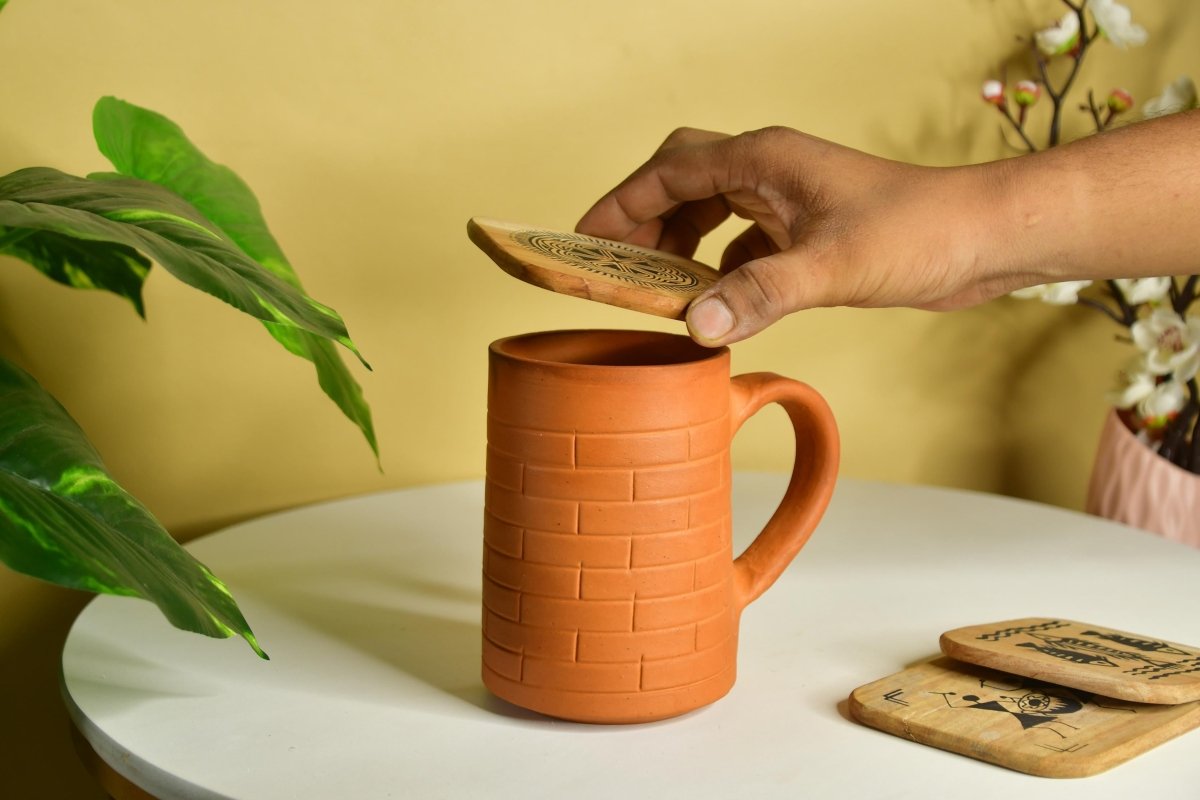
(1157, 409)
(1026, 93)
(993, 92)
(1119, 101)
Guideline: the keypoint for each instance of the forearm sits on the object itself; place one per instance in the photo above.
(834, 226)
(1122, 204)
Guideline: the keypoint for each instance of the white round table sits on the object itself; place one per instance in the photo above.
(370, 608)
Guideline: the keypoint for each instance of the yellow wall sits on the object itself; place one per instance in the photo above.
(372, 130)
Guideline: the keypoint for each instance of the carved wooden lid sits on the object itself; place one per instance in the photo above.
(616, 273)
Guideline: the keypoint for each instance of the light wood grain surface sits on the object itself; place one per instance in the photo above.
(1017, 723)
(1128, 666)
(619, 274)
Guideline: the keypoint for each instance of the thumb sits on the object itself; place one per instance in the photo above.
(750, 298)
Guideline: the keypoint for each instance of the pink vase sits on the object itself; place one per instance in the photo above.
(1134, 485)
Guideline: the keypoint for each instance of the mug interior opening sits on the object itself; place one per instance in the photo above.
(608, 348)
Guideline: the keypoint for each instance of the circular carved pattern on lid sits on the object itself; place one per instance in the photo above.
(612, 259)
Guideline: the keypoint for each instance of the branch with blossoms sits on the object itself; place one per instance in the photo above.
(1069, 40)
(1157, 393)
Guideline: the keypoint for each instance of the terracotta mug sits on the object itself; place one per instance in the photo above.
(610, 591)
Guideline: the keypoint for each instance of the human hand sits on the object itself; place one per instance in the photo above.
(831, 226)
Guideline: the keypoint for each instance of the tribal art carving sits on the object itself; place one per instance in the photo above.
(612, 260)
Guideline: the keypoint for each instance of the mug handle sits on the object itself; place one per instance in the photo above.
(813, 476)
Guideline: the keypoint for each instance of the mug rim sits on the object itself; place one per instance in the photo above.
(501, 347)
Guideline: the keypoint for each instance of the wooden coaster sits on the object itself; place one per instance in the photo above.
(616, 273)
(1088, 657)
(1015, 722)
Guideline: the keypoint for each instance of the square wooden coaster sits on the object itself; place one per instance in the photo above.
(1015, 722)
(1127, 666)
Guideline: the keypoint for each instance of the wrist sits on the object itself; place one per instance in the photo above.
(1036, 236)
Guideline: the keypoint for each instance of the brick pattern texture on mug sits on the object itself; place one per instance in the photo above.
(635, 556)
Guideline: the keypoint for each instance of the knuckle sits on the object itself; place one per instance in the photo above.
(758, 291)
(772, 136)
(691, 137)
(679, 136)
(768, 151)
(682, 132)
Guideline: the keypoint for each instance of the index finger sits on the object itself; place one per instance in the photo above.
(690, 165)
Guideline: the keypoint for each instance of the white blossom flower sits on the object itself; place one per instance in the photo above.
(1157, 408)
(1063, 293)
(1187, 368)
(1134, 384)
(1168, 340)
(1179, 95)
(1060, 38)
(1116, 23)
(1143, 290)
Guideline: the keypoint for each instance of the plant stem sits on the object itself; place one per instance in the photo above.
(1095, 112)
(1057, 97)
(1103, 309)
(1193, 460)
(1191, 455)
(1128, 314)
(1101, 124)
(1186, 295)
(1018, 127)
(1174, 444)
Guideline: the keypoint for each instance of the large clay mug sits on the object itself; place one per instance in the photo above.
(610, 590)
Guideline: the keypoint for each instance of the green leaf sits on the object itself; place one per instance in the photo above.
(65, 520)
(156, 222)
(83, 265)
(144, 144)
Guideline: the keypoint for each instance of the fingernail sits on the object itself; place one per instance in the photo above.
(710, 319)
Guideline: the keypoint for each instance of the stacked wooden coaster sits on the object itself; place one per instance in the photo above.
(1064, 699)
